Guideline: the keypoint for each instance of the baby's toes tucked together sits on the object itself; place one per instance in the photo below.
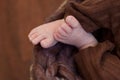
(63, 31)
(38, 39)
(66, 28)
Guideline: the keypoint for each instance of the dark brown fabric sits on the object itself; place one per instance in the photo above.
(102, 62)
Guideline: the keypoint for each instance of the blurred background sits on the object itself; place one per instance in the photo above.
(17, 18)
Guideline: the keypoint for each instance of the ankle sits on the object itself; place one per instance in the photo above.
(90, 44)
(88, 41)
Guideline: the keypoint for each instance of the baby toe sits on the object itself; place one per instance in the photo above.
(62, 31)
(57, 36)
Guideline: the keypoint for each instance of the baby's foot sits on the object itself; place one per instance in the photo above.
(43, 34)
(72, 33)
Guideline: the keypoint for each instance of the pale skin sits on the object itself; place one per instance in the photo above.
(43, 34)
(68, 31)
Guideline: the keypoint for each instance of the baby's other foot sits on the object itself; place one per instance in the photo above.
(43, 34)
(72, 33)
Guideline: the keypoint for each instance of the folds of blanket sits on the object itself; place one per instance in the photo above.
(66, 62)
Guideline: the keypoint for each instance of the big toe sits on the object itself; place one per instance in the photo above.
(46, 43)
(72, 21)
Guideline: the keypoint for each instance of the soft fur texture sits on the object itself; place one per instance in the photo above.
(102, 62)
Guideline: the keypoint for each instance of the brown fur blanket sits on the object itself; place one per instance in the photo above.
(102, 62)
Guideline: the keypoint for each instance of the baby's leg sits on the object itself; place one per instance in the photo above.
(72, 33)
(43, 34)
